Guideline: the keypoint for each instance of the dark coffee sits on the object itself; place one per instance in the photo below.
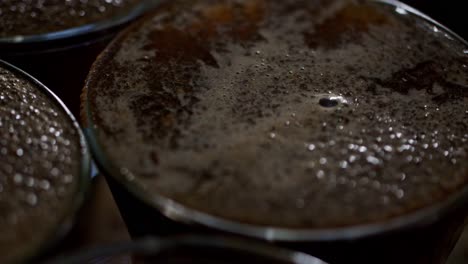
(25, 17)
(41, 169)
(293, 114)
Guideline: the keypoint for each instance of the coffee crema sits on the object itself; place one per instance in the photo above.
(40, 168)
(26, 17)
(292, 114)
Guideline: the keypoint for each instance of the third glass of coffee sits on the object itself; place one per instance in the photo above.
(56, 41)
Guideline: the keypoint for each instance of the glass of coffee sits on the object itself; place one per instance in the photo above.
(57, 41)
(189, 249)
(319, 125)
(44, 168)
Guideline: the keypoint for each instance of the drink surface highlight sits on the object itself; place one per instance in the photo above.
(40, 166)
(293, 114)
(32, 17)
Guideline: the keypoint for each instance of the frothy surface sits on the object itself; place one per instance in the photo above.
(40, 165)
(30, 17)
(302, 114)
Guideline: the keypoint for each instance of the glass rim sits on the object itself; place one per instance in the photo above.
(82, 30)
(153, 246)
(67, 218)
(181, 213)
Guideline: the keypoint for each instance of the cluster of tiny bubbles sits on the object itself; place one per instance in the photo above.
(40, 159)
(20, 15)
(75, 7)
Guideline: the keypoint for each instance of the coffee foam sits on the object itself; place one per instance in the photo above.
(40, 165)
(240, 127)
(26, 17)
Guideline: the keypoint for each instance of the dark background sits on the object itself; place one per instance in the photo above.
(450, 13)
